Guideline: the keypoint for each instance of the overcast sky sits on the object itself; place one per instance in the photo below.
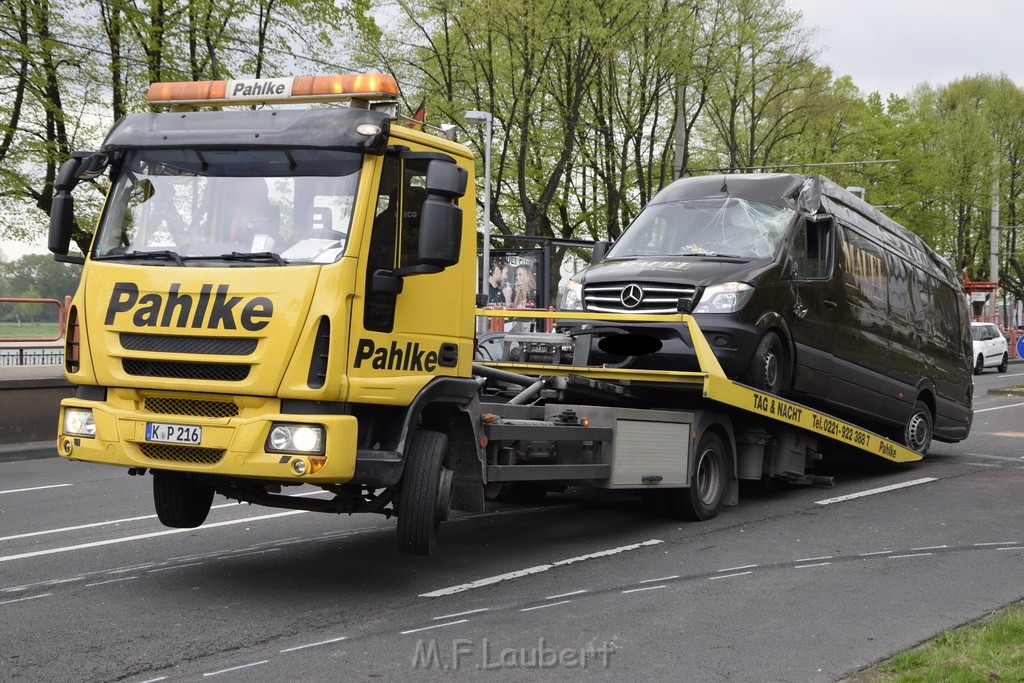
(892, 45)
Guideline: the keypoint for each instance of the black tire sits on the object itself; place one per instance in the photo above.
(708, 480)
(425, 493)
(979, 365)
(769, 368)
(181, 501)
(1004, 364)
(917, 434)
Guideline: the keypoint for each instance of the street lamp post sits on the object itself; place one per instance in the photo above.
(484, 117)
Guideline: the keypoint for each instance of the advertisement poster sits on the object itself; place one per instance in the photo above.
(517, 278)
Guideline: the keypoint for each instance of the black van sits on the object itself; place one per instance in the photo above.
(802, 289)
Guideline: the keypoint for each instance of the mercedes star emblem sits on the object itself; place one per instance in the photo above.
(631, 296)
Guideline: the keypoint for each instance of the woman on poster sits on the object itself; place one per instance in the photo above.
(525, 290)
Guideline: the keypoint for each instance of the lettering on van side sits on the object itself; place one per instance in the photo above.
(175, 309)
(410, 358)
(773, 406)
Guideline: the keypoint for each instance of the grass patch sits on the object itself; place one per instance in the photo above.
(991, 649)
(29, 330)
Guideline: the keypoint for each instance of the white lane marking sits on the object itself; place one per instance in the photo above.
(463, 614)
(545, 606)
(1014, 547)
(103, 583)
(728, 576)
(427, 628)
(321, 643)
(36, 488)
(565, 595)
(177, 566)
(814, 559)
(490, 580)
(819, 564)
(124, 520)
(236, 668)
(985, 410)
(930, 547)
(664, 578)
(139, 537)
(736, 569)
(645, 588)
(895, 557)
(879, 552)
(871, 492)
(31, 597)
(998, 543)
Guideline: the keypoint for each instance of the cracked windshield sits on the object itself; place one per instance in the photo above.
(728, 226)
(181, 205)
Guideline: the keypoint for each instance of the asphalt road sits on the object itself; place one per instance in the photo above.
(791, 585)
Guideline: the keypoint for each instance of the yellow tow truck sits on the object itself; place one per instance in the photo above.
(285, 296)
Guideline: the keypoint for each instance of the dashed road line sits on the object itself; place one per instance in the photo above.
(545, 605)
(331, 641)
(427, 628)
(871, 492)
(236, 668)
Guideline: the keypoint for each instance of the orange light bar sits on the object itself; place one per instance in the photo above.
(300, 89)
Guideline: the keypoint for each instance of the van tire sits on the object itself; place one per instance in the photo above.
(979, 365)
(181, 501)
(769, 369)
(917, 434)
(708, 480)
(1004, 364)
(425, 494)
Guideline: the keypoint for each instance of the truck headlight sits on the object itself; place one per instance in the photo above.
(80, 422)
(573, 300)
(728, 297)
(295, 438)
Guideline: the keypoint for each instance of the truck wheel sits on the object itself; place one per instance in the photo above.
(979, 365)
(425, 493)
(1005, 363)
(917, 435)
(181, 501)
(707, 483)
(769, 369)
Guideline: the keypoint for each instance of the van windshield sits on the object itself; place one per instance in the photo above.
(721, 226)
(276, 207)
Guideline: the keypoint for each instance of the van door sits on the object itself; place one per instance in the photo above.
(818, 297)
(862, 349)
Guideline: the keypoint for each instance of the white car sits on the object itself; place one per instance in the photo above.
(989, 348)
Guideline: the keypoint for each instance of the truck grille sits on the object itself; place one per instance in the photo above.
(635, 297)
(185, 406)
(190, 454)
(168, 343)
(181, 370)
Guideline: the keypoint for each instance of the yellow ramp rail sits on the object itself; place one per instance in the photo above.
(712, 382)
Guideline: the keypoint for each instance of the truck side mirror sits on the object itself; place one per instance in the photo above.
(441, 218)
(81, 165)
(600, 251)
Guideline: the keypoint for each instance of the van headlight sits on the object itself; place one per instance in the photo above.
(573, 300)
(295, 438)
(79, 422)
(728, 297)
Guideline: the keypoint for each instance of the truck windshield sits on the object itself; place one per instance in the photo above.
(725, 226)
(246, 207)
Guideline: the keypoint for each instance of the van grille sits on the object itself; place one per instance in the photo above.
(181, 370)
(168, 343)
(190, 454)
(649, 297)
(185, 406)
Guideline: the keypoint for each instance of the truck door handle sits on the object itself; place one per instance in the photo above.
(829, 304)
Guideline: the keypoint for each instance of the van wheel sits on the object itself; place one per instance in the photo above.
(917, 435)
(769, 368)
(979, 365)
(425, 494)
(703, 498)
(181, 501)
(1004, 364)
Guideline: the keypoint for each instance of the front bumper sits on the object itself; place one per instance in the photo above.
(231, 446)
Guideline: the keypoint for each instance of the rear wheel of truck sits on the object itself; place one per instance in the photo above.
(769, 368)
(917, 435)
(181, 501)
(425, 494)
(707, 483)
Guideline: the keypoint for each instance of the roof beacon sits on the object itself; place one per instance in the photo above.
(357, 89)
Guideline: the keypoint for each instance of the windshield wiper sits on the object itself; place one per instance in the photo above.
(713, 254)
(255, 256)
(165, 254)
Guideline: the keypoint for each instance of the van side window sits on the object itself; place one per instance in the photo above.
(812, 250)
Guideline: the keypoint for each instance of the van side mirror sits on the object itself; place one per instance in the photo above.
(600, 251)
(788, 268)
